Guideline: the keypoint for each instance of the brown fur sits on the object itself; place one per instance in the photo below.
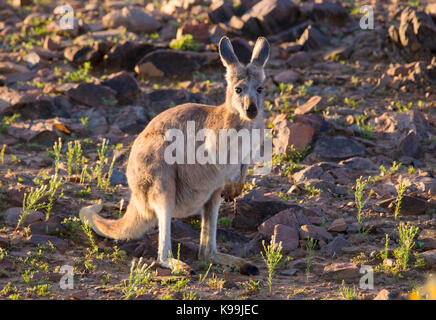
(160, 191)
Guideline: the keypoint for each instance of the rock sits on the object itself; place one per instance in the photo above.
(308, 106)
(199, 31)
(342, 271)
(270, 16)
(118, 178)
(428, 238)
(161, 63)
(313, 172)
(325, 187)
(93, 95)
(288, 272)
(338, 225)
(7, 67)
(254, 207)
(424, 185)
(316, 121)
(315, 232)
(299, 60)
(410, 145)
(32, 59)
(288, 236)
(330, 13)
(78, 55)
(287, 76)
(312, 39)
(52, 226)
(125, 55)
(220, 11)
(334, 248)
(31, 104)
(336, 148)
(358, 163)
(12, 216)
(4, 242)
(160, 99)
(291, 217)
(39, 240)
(385, 294)
(124, 84)
(409, 205)
(131, 120)
(414, 34)
(287, 134)
(135, 20)
(429, 257)
(342, 53)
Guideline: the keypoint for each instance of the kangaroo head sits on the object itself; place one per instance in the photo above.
(245, 82)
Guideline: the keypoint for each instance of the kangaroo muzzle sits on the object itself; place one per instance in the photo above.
(251, 111)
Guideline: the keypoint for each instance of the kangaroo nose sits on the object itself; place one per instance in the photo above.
(252, 111)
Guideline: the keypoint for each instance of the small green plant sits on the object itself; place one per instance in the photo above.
(251, 286)
(2, 154)
(365, 129)
(353, 104)
(225, 222)
(84, 121)
(203, 277)
(57, 153)
(271, 257)
(310, 248)
(406, 234)
(348, 293)
(411, 170)
(7, 121)
(306, 88)
(81, 75)
(360, 204)
(31, 203)
(88, 231)
(400, 192)
(186, 42)
(175, 268)
(140, 276)
(402, 108)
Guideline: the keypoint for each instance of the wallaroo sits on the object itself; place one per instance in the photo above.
(160, 191)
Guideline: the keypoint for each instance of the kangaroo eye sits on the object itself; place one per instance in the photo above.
(259, 90)
(238, 90)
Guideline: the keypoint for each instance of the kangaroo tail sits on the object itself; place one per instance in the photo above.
(130, 226)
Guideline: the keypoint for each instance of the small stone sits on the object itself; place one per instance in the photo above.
(342, 271)
(315, 232)
(338, 225)
(308, 106)
(287, 76)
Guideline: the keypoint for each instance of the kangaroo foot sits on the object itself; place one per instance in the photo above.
(174, 265)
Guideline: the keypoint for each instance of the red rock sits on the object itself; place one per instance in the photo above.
(315, 232)
(287, 76)
(200, 31)
(308, 106)
(342, 271)
(288, 236)
(338, 225)
(287, 134)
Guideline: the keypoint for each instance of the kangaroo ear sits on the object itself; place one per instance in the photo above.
(228, 56)
(260, 52)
